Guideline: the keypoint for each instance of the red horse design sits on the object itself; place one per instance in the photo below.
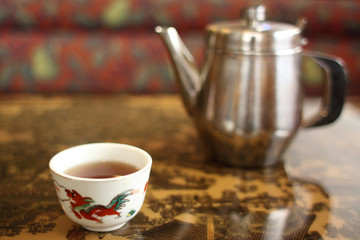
(82, 207)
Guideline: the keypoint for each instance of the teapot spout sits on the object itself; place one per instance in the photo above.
(187, 73)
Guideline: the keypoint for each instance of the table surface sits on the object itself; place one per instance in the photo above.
(315, 194)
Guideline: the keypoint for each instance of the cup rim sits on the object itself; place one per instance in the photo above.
(71, 177)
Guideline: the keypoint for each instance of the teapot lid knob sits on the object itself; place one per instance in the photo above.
(253, 34)
(254, 15)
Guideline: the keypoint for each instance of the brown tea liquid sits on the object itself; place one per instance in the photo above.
(103, 169)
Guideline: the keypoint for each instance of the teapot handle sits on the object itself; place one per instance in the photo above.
(334, 90)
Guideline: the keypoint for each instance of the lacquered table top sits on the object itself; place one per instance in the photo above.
(315, 194)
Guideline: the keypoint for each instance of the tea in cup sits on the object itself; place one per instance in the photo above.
(101, 186)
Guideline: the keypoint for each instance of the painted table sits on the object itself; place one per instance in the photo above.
(315, 194)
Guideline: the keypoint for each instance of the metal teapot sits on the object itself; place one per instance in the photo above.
(246, 101)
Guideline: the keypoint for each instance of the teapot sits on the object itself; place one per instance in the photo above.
(247, 99)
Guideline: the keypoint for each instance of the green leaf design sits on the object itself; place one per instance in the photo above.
(82, 207)
(116, 13)
(6, 75)
(131, 213)
(312, 73)
(25, 18)
(4, 13)
(43, 65)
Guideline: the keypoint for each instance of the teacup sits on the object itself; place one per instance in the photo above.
(101, 203)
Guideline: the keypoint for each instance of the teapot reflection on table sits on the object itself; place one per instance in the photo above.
(246, 101)
(275, 206)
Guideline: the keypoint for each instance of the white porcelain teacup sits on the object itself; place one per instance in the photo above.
(100, 203)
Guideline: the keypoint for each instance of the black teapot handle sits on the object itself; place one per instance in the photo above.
(334, 93)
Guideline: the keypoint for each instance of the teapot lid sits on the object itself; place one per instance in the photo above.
(254, 35)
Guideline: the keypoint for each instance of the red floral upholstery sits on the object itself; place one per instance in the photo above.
(110, 45)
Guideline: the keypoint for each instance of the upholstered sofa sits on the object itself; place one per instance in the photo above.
(111, 46)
